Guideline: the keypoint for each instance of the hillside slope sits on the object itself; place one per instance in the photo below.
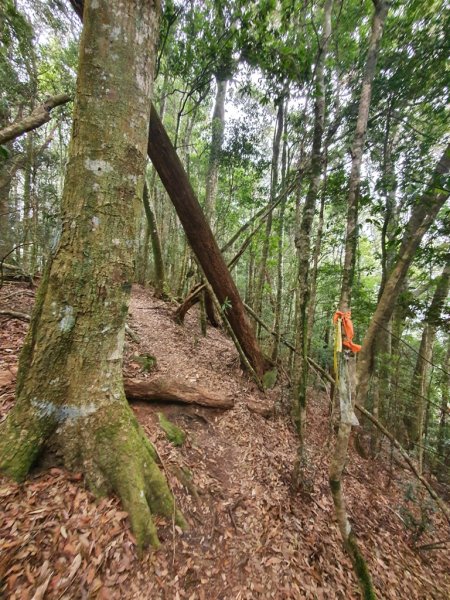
(249, 536)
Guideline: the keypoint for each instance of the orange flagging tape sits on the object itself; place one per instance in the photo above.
(348, 329)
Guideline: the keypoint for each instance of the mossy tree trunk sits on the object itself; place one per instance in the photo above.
(70, 393)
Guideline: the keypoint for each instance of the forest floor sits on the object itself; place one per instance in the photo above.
(250, 537)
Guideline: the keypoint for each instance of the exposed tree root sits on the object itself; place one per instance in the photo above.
(15, 315)
(114, 455)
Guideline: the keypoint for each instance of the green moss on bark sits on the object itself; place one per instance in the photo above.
(174, 434)
(361, 570)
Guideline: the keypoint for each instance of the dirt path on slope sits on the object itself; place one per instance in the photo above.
(249, 537)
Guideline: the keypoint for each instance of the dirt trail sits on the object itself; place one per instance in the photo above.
(250, 538)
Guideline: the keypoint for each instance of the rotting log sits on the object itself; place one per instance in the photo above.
(163, 390)
(176, 182)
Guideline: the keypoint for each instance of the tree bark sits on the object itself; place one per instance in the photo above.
(280, 235)
(259, 292)
(152, 231)
(347, 364)
(217, 132)
(39, 116)
(316, 258)
(381, 9)
(445, 397)
(425, 210)
(78, 323)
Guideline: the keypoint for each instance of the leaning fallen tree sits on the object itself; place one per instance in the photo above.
(176, 182)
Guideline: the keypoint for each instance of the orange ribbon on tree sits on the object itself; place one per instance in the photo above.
(347, 324)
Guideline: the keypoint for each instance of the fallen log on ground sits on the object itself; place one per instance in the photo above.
(13, 273)
(162, 390)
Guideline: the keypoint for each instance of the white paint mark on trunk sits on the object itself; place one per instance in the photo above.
(98, 167)
(68, 320)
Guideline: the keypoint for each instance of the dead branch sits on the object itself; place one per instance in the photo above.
(15, 315)
(442, 505)
(39, 116)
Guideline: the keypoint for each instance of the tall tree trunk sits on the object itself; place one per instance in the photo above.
(382, 387)
(346, 372)
(303, 239)
(78, 324)
(445, 397)
(176, 182)
(351, 240)
(27, 201)
(279, 297)
(416, 408)
(316, 258)
(217, 132)
(212, 176)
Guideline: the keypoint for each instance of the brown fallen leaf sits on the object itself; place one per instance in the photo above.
(76, 563)
(40, 591)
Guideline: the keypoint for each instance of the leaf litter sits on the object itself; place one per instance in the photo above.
(250, 537)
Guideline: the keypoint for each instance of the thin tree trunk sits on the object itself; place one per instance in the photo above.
(279, 297)
(303, 244)
(347, 360)
(417, 408)
(316, 257)
(152, 231)
(445, 397)
(217, 132)
(381, 8)
(27, 199)
(259, 291)
(424, 213)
